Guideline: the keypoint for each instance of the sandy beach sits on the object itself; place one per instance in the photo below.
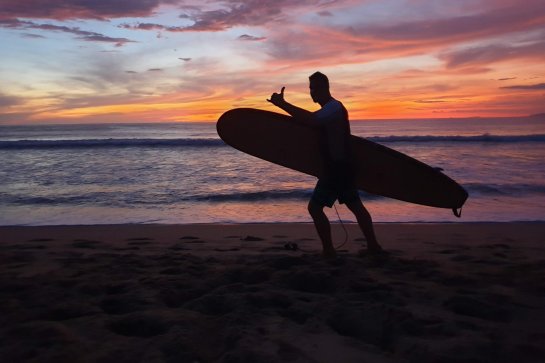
(463, 292)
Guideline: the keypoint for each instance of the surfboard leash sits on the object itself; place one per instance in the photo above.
(292, 246)
(344, 228)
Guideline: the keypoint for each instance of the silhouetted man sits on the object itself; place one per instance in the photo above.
(337, 184)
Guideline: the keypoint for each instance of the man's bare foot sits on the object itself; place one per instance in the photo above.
(329, 253)
(374, 248)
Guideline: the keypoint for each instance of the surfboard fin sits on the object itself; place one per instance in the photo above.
(457, 213)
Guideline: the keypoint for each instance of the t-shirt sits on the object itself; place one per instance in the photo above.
(333, 118)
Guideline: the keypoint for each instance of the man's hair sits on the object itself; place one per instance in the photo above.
(320, 78)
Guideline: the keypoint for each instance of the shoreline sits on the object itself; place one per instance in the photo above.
(447, 292)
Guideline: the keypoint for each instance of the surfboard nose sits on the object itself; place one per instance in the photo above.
(227, 118)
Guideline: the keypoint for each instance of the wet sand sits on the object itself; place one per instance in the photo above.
(464, 292)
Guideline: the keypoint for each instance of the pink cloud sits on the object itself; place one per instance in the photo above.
(496, 21)
(494, 53)
(304, 45)
(227, 14)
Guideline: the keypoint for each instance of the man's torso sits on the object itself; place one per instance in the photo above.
(333, 119)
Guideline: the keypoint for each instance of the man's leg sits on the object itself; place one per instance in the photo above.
(366, 224)
(322, 227)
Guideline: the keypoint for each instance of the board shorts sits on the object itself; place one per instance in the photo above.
(337, 185)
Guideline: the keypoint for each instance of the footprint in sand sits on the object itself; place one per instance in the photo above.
(191, 239)
(132, 248)
(142, 325)
(139, 241)
(84, 243)
(41, 240)
(227, 249)
(178, 247)
(27, 247)
(252, 239)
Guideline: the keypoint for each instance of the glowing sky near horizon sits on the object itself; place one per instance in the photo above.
(86, 61)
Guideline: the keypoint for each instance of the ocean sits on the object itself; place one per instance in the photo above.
(183, 173)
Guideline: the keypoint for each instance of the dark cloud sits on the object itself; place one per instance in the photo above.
(82, 34)
(507, 79)
(144, 26)
(155, 70)
(185, 59)
(251, 38)
(539, 86)
(77, 9)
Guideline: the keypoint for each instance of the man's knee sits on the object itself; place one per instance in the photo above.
(315, 208)
(355, 206)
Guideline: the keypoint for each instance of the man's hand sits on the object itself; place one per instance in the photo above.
(277, 99)
(298, 114)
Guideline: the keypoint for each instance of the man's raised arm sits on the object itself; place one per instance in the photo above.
(299, 114)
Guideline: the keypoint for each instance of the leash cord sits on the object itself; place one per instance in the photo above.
(344, 228)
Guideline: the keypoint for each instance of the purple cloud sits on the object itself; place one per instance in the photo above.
(237, 13)
(325, 13)
(77, 9)
(6, 101)
(82, 34)
(144, 26)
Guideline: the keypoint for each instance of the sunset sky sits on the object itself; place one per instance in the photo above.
(86, 61)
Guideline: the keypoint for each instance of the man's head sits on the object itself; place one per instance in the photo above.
(319, 87)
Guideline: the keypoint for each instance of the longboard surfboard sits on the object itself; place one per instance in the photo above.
(277, 138)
